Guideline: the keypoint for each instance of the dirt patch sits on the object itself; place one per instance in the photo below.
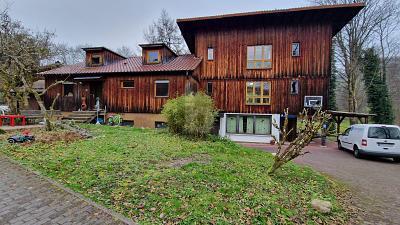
(198, 158)
(43, 136)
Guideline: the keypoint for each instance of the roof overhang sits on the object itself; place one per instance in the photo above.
(336, 15)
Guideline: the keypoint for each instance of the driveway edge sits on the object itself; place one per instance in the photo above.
(110, 212)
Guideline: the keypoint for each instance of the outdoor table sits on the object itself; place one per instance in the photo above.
(12, 119)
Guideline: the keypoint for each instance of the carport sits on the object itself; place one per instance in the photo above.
(339, 116)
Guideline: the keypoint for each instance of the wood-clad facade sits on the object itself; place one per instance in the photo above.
(138, 99)
(228, 71)
(254, 65)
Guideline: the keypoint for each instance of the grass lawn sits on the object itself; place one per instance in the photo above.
(154, 177)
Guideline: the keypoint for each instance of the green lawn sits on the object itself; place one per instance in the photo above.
(154, 177)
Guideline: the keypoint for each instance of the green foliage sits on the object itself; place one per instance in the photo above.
(378, 95)
(191, 115)
(332, 84)
(2, 131)
(115, 120)
(135, 172)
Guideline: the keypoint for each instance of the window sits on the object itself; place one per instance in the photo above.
(68, 90)
(248, 124)
(153, 56)
(162, 88)
(384, 133)
(347, 132)
(258, 93)
(96, 60)
(295, 49)
(294, 87)
(210, 54)
(160, 125)
(259, 57)
(128, 84)
(209, 90)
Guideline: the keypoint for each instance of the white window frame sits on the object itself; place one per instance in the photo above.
(210, 53)
(155, 88)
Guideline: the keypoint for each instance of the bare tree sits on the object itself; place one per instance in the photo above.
(165, 30)
(67, 55)
(354, 37)
(126, 51)
(21, 54)
(308, 128)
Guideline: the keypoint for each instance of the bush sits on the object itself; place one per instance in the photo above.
(191, 115)
(2, 131)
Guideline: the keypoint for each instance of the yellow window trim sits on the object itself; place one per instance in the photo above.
(262, 60)
(122, 84)
(147, 56)
(262, 96)
(96, 56)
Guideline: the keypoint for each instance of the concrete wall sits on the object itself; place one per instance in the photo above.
(146, 120)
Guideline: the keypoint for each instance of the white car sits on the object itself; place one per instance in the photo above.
(372, 139)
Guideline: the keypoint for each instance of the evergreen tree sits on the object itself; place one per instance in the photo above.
(378, 95)
(332, 85)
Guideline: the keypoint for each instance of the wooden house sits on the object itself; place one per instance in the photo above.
(254, 65)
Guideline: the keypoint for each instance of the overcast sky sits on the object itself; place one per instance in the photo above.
(113, 23)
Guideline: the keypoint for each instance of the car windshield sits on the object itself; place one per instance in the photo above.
(384, 133)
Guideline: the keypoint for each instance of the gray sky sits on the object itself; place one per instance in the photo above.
(113, 23)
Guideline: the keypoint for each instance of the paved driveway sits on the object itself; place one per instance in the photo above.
(375, 181)
(26, 198)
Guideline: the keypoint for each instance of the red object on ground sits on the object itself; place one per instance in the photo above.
(12, 119)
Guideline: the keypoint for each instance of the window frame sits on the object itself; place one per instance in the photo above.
(254, 128)
(123, 81)
(64, 88)
(299, 49)
(262, 96)
(148, 56)
(210, 50)
(98, 56)
(208, 92)
(155, 88)
(262, 60)
(297, 87)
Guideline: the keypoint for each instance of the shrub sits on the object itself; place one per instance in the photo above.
(191, 115)
(2, 131)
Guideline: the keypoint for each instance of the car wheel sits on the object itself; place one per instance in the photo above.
(11, 141)
(396, 160)
(356, 152)
(339, 145)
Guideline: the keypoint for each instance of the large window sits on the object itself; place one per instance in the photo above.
(248, 124)
(153, 56)
(258, 93)
(259, 57)
(162, 88)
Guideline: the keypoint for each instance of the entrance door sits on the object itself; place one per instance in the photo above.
(96, 91)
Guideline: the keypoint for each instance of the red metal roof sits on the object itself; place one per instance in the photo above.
(130, 65)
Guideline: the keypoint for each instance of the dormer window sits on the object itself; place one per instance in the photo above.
(153, 57)
(96, 60)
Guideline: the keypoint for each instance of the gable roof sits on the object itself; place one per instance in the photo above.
(130, 65)
(338, 15)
